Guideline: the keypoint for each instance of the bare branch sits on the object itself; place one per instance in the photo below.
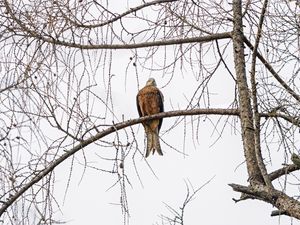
(273, 72)
(132, 10)
(277, 198)
(244, 96)
(256, 116)
(283, 171)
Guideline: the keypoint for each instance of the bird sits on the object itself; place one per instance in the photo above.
(149, 101)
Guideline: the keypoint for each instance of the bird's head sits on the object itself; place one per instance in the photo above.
(151, 81)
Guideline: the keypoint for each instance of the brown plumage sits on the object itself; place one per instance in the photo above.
(150, 101)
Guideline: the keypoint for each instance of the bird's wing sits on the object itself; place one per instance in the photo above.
(138, 105)
(161, 107)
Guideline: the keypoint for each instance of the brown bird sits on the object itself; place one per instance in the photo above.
(149, 101)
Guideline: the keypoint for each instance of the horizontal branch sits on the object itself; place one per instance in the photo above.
(51, 40)
(200, 39)
(293, 120)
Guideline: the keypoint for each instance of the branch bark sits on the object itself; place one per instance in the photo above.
(104, 133)
(277, 198)
(255, 175)
(256, 116)
(201, 39)
(283, 171)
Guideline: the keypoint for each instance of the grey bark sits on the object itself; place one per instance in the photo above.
(248, 133)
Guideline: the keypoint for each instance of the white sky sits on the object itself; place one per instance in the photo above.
(88, 200)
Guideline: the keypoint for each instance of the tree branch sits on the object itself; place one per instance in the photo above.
(294, 120)
(104, 133)
(283, 171)
(122, 125)
(272, 71)
(51, 40)
(277, 198)
(246, 117)
(201, 39)
(120, 16)
(256, 116)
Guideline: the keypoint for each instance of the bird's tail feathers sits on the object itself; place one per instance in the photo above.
(149, 143)
(156, 143)
(153, 143)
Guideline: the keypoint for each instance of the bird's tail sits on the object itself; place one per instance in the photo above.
(156, 144)
(149, 143)
(153, 143)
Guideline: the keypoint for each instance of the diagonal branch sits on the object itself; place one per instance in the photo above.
(283, 171)
(102, 134)
(272, 71)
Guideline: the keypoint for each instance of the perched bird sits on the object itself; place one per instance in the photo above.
(149, 101)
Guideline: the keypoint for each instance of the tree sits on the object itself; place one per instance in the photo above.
(58, 82)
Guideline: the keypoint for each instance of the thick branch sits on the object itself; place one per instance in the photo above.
(244, 97)
(277, 198)
(256, 116)
(283, 171)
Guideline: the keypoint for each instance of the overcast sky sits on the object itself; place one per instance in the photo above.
(202, 152)
(219, 159)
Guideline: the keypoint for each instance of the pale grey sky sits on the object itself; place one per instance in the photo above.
(89, 196)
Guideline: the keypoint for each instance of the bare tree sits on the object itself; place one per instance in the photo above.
(57, 83)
